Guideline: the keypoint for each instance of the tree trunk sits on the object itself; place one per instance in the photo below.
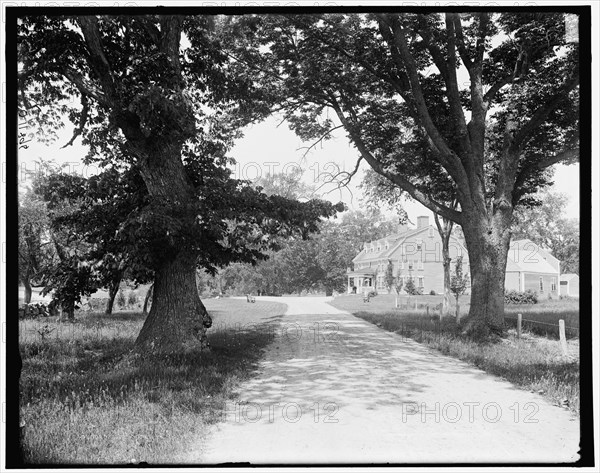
(447, 295)
(445, 230)
(178, 320)
(488, 251)
(113, 289)
(68, 312)
(148, 298)
(328, 291)
(28, 291)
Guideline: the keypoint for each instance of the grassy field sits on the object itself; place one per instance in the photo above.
(542, 313)
(532, 362)
(79, 406)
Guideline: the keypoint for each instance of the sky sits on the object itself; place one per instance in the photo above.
(266, 148)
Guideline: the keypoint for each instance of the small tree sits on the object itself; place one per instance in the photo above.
(458, 284)
(411, 288)
(398, 282)
(389, 276)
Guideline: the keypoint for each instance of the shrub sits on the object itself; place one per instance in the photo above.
(432, 293)
(517, 297)
(132, 299)
(34, 310)
(411, 289)
(121, 300)
(372, 294)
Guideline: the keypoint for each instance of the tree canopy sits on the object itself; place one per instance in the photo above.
(480, 103)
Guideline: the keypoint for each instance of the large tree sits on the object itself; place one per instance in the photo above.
(492, 97)
(145, 99)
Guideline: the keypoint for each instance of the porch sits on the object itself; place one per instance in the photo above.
(360, 282)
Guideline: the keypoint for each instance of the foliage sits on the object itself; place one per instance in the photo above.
(121, 299)
(390, 279)
(411, 288)
(35, 251)
(459, 282)
(517, 297)
(391, 81)
(34, 310)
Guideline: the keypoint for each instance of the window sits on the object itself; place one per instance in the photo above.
(401, 264)
(553, 285)
(411, 265)
(430, 232)
(419, 244)
(421, 282)
(541, 284)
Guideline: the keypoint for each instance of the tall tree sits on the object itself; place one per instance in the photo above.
(170, 111)
(492, 98)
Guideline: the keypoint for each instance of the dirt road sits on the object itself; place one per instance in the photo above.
(333, 388)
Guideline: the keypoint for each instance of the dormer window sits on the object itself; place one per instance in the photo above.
(419, 244)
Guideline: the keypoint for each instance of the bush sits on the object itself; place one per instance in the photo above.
(132, 299)
(517, 297)
(411, 289)
(432, 293)
(372, 294)
(121, 300)
(34, 310)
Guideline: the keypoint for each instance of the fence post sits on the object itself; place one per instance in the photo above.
(427, 310)
(519, 322)
(396, 302)
(416, 305)
(563, 337)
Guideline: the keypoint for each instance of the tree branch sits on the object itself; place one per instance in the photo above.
(522, 176)
(323, 136)
(82, 120)
(524, 134)
(397, 179)
(452, 162)
(85, 88)
(452, 91)
(460, 39)
(98, 61)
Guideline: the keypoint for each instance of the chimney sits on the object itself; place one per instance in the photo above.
(422, 221)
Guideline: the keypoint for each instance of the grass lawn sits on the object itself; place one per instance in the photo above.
(533, 362)
(78, 406)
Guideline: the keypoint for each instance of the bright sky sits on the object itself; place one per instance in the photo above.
(266, 148)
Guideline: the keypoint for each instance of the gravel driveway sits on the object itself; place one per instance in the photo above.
(333, 388)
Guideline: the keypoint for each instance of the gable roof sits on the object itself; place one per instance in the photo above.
(395, 241)
(568, 276)
(524, 255)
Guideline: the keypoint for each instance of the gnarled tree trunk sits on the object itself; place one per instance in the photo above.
(178, 320)
(28, 291)
(148, 299)
(68, 311)
(113, 289)
(488, 251)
